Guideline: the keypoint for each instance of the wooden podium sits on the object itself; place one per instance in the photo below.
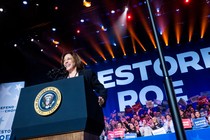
(70, 136)
(74, 113)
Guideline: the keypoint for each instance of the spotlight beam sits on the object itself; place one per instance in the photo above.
(107, 44)
(133, 35)
(178, 27)
(204, 21)
(147, 27)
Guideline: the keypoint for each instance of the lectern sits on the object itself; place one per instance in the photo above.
(58, 110)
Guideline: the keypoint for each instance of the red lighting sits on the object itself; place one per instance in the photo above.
(56, 7)
(186, 1)
(129, 17)
(78, 31)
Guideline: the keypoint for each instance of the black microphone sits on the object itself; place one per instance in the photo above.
(57, 73)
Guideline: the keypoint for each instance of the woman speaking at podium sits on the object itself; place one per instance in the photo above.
(74, 67)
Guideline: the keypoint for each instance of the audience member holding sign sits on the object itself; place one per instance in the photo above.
(154, 117)
(198, 121)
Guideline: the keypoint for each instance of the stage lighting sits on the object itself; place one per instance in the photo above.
(54, 29)
(55, 42)
(114, 59)
(56, 7)
(129, 17)
(78, 31)
(114, 44)
(82, 20)
(124, 56)
(113, 11)
(103, 28)
(1, 9)
(157, 10)
(86, 3)
(25, 2)
(187, 1)
(126, 9)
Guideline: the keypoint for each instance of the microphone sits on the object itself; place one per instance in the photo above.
(57, 73)
(63, 68)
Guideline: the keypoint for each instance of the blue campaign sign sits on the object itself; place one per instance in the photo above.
(199, 123)
(9, 96)
(138, 78)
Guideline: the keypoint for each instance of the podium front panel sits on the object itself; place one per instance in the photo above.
(71, 114)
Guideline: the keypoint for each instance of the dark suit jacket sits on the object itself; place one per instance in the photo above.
(93, 86)
(92, 83)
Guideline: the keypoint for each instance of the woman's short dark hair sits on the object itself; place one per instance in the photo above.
(78, 61)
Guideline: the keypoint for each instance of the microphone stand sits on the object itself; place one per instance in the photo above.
(179, 129)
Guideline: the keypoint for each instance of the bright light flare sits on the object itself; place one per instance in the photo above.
(86, 3)
(113, 11)
(56, 7)
(126, 9)
(25, 2)
(53, 29)
(78, 31)
(82, 20)
(186, 1)
(55, 42)
(103, 28)
(129, 17)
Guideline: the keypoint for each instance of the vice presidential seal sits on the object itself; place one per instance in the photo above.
(47, 101)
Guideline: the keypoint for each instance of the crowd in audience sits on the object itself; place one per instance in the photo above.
(143, 120)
